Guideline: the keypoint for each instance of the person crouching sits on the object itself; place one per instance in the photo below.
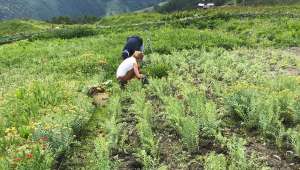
(130, 68)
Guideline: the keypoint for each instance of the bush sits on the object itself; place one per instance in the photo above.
(264, 108)
(255, 109)
(65, 33)
(157, 70)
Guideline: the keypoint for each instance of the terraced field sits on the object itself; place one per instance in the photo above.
(224, 93)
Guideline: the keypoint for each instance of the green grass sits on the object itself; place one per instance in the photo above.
(201, 74)
(20, 26)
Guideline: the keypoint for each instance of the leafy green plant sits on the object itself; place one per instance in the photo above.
(38, 159)
(295, 140)
(215, 162)
(189, 130)
(148, 161)
(143, 112)
(187, 126)
(102, 154)
(237, 153)
(196, 67)
(157, 67)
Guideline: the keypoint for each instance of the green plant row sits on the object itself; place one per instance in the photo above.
(65, 33)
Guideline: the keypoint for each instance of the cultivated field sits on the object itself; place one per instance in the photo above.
(224, 93)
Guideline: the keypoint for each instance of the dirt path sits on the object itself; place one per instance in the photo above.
(172, 153)
(129, 140)
(81, 153)
(274, 159)
(296, 51)
(294, 71)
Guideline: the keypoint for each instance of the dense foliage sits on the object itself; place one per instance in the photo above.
(177, 5)
(42, 9)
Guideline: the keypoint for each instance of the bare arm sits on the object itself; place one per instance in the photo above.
(136, 71)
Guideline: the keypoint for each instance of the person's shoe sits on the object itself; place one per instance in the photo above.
(122, 84)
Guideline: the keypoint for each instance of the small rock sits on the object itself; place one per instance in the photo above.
(291, 164)
(289, 152)
(277, 157)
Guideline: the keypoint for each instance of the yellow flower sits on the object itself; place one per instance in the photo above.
(48, 126)
(11, 130)
(102, 62)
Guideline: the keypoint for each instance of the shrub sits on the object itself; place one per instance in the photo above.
(256, 109)
(189, 131)
(237, 154)
(243, 106)
(157, 65)
(66, 33)
(186, 126)
(157, 70)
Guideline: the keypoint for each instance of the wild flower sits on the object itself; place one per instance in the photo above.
(102, 62)
(18, 159)
(29, 155)
(11, 134)
(45, 138)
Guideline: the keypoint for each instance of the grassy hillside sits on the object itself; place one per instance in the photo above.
(223, 94)
(20, 26)
(45, 10)
(269, 2)
(176, 5)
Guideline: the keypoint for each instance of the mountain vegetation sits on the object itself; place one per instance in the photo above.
(45, 9)
(223, 92)
(175, 5)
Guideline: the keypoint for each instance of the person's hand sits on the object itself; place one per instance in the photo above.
(142, 76)
(144, 80)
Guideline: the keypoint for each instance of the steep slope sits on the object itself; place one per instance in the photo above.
(21, 26)
(175, 5)
(43, 9)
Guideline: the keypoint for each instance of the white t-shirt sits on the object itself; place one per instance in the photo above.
(126, 66)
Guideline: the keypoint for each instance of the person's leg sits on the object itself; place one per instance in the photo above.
(125, 54)
(123, 80)
(129, 75)
(139, 68)
(122, 84)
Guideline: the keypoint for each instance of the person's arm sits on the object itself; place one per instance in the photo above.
(136, 71)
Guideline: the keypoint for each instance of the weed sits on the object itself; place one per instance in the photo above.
(102, 153)
(237, 154)
(215, 162)
(144, 112)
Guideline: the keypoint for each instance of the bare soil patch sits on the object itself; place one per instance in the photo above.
(296, 51)
(272, 157)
